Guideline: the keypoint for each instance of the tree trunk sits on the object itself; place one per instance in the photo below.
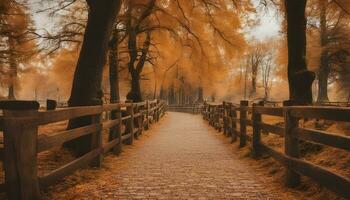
(113, 69)
(135, 93)
(324, 64)
(86, 90)
(13, 69)
(114, 79)
(254, 75)
(299, 78)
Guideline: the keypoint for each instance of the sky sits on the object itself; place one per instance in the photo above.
(269, 23)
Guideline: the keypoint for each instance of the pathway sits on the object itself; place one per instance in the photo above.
(180, 158)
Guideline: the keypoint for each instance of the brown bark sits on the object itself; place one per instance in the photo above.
(13, 70)
(87, 80)
(114, 79)
(299, 78)
(135, 72)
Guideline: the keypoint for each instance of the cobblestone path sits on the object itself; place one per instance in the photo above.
(179, 158)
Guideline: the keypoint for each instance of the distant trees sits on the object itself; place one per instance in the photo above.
(329, 21)
(16, 45)
(258, 68)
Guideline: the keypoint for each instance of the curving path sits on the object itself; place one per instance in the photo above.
(180, 158)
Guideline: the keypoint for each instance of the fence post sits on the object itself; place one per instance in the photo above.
(20, 149)
(256, 130)
(130, 123)
(291, 144)
(147, 115)
(243, 123)
(118, 148)
(158, 110)
(224, 118)
(97, 139)
(233, 114)
(136, 121)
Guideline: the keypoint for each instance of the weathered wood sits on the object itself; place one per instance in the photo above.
(69, 168)
(273, 111)
(136, 117)
(291, 144)
(140, 104)
(249, 122)
(126, 137)
(243, 125)
(126, 118)
(97, 139)
(47, 117)
(147, 114)
(130, 124)
(329, 113)
(234, 122)
(1, 123)
(118, 148)
(51, 104)
(225, 118)
(2, 188)
(20, 151)
(274, 129)
(322, 137)
(280, 157)
(256, 130)
(47, 142)
(332, 181)
(138, 114)
(111, 107)
(111, 144)
(110, 123)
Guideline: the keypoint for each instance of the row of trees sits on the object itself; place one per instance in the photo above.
(327, 52)
(199, 43)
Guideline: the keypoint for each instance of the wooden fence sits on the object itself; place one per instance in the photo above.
(20, 121)
(192, 109)
(225, 117)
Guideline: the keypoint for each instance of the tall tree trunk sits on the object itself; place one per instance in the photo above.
(254, 76)
(299, 78)
(245, 82)
(13, 69)
(113, 68)
(114, 79)
(324, 64)
(135, 93)
(86, 90)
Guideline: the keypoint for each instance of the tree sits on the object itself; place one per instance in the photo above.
(266, 73)
(86, 90)
(16, 42)
(299, 78)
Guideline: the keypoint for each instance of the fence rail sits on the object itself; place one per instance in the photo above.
(192, 109)
(20, 121)
(224, 116)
